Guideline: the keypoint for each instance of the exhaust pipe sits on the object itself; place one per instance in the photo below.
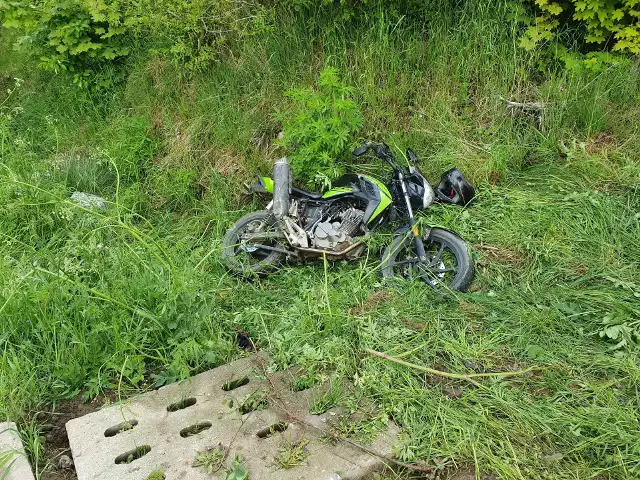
(281, 188)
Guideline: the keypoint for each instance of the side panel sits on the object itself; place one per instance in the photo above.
(383, 199)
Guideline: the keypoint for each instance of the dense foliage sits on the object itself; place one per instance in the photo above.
(107, 303)
(612, 24)
(88, 38)
(79, 36)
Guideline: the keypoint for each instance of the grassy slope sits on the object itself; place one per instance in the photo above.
(89, 301)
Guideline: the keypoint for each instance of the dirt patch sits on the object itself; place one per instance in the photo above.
(602, 144)
(56, 442)
(419, 326)
(502, 254)
(371, 302)
(157, 122)
(225, 161)
(465, 473)
(495, 177)
(472, 310)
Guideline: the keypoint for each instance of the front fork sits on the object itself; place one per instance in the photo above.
(413, 223)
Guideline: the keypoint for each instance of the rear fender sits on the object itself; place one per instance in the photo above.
(263, 185)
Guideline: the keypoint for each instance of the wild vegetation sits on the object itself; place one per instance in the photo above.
(165, 115)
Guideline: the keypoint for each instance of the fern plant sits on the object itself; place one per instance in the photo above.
(319, 126)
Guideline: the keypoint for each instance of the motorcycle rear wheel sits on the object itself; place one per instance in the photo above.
(243, 257)
(449, 263)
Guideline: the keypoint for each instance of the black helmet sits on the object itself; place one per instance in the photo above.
(454, 188)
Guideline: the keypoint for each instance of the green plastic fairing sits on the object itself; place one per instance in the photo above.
(268, 184)
(385, 197)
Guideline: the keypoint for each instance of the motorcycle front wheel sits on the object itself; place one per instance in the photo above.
(244, 257)
(448, 264)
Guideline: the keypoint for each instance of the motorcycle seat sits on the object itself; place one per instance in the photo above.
(296, 192)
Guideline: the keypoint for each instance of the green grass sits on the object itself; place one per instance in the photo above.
(135, 295)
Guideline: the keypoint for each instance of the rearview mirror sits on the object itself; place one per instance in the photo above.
(411, 156)
(361, 150)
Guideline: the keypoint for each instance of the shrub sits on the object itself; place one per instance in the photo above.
(78, 36)
(319, 126)
(614, 23)
(195, 32)
(89, 38)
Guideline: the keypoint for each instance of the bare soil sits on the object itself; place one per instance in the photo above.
(56, 442)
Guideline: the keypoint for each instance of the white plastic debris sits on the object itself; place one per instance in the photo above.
(88, 200)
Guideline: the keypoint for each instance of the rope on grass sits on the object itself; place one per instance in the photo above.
(459, 376)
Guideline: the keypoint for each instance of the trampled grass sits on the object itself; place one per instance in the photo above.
(136, 295)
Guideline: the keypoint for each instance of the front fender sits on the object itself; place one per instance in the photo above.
(426, 231)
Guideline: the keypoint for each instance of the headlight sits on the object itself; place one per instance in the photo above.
(426, 192)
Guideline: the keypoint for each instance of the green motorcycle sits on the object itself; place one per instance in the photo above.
(300, 225)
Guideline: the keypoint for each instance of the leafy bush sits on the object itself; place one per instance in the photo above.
(79, 36)
(86, 37)
(615, 23)
(195, 32)
(319, 126)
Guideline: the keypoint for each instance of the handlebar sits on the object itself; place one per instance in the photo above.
(382, 151)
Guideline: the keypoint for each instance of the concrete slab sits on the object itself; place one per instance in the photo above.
(163, 430)
(13, 460)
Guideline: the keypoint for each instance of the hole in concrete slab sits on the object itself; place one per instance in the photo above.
(195, 429)
(255, 401)
(119, 428)
(187, 402)
(234, 383)
(275, 428)
(133, 455)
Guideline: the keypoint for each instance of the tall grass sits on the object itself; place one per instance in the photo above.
(135, 295)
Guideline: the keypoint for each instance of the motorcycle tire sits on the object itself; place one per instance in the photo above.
(239, 257)
(456, 277)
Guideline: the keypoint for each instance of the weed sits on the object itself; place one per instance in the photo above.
(327, 400)
(237, 471)
(7, 459)
(258, 400)
(303, 383)
(156, 475)
(319, 130)
(292, 454)
(212, 459)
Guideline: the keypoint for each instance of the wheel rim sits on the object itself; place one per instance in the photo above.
(247, 252)
(440, 269)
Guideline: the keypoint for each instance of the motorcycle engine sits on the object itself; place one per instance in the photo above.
(336, 232)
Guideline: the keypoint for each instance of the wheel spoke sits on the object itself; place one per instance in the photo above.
(406, 261)
(429, 282)
(438, 257)
(443, 270)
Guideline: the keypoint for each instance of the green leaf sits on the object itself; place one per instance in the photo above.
(555, 9)
(527, 43)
